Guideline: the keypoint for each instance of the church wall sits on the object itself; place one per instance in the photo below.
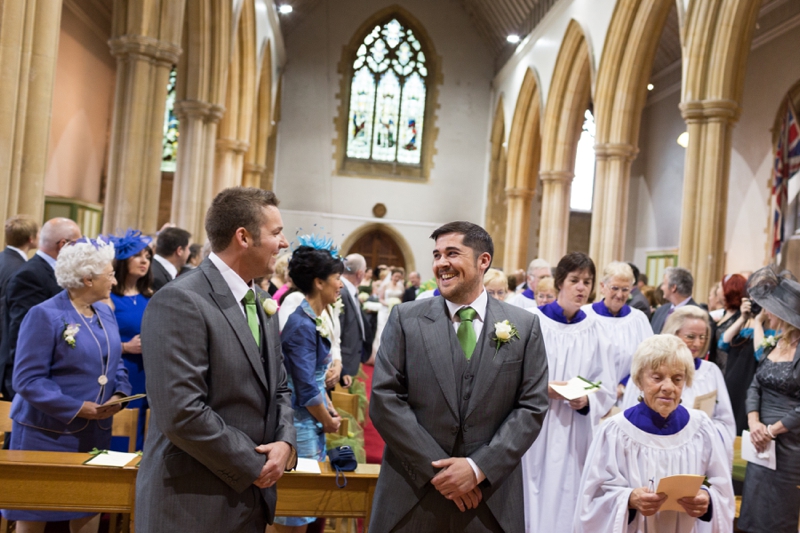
(81, 113)
(306, 180)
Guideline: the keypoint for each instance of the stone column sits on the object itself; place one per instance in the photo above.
(705, 189)
(145, 40)
(188, 189)
(253, 174)
(28, 52)
(554, 227)
(610, 205)
(518, 223)
(229, 163)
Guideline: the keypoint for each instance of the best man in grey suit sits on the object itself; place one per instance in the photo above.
(456, 406)
(222, 428)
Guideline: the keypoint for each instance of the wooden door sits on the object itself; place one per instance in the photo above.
(379, 248)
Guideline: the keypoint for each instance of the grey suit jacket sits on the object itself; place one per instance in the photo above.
(662, 313)
(415, 408)
(639, 301)
(212, 402)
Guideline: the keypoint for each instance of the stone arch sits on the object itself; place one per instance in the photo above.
(717, 40)
(255, 160)
(396, 236)
(524, 152)
(497, 202)
(620, 96)
(567, 101)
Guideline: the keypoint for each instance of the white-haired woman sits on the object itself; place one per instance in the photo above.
(627, 327)
(691, 325)
(67, 368)
(634, 450)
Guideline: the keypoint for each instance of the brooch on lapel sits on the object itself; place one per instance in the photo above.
(70, 330)
(504, 332)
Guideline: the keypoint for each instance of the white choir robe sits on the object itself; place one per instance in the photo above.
(626, 334)
(552, 467)
(520, 300)
(707, 378)
(623, 457)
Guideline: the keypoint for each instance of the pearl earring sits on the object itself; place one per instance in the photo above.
(640, 398)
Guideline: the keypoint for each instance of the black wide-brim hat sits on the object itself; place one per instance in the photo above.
(777, 292)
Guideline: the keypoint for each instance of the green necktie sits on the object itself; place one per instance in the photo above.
(466, 333)
(252, 315)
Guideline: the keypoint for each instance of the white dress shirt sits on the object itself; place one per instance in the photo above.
(50, 260)
(236, 284)
(171, 268)
(20, 252)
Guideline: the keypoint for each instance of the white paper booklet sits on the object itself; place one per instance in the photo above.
(766, 458)
(576, 387)
(110, 458)
(307, 466)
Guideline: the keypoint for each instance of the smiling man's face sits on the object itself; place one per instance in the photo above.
(459, 274)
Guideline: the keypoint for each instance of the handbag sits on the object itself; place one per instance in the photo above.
(342, 460)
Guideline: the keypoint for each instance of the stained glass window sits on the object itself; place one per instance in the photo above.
(169, 145)
(387, 96)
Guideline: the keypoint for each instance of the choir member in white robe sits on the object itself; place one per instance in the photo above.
(656, 438)
(690, 324)
(538, 270)
(576, 346)
(627, 327)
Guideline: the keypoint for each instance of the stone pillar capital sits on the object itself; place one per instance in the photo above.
(144, 47)
(710, 110)
(563, 176)
(519, 192)
(191, 109)
(255, 168)
(616, 151)
(215, 113)
(234, 145)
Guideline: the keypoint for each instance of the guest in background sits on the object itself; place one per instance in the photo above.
(538, 269)
(366, 284)
(677, 288)
(637, 299)
(654, 298)
(520, 276)
(716, 302)
(733, 287)
(496, 284)
(172, 251)
(356, 340)
(195, 258)
(279, 282)
(68, 368)
(414, 282)
(652, 440)
(642, 281)
(770, 498)
(22, 235)
(31, 285)
(389, 294)
(306, 351)
(545, 292)
(130, 296)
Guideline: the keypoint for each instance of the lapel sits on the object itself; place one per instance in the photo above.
(489, 363)
(436, 329)
(266, 334)
(229, 307)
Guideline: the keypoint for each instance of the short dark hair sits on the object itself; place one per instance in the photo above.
(681, 279)
(475, 237)
(643, 278)
(573, 262)
(170, 239)
(635, 273)
(234, 208)
(194, 250)
(308, 264)
(144, 284)
(20, 229)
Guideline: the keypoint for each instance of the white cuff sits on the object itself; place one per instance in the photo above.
(478, 474)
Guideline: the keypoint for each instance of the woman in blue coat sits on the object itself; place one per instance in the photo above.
(68, 365)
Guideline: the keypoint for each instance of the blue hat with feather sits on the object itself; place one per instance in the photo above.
(129, 244)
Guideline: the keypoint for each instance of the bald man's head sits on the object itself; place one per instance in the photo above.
(355, 267)
(57, 232)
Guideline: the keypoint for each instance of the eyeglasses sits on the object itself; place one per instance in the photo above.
(496, 294)
(623, 290)
(691, 338)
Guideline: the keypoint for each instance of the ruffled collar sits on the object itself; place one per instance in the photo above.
(601, 309)
(554, 311)
(649, 421)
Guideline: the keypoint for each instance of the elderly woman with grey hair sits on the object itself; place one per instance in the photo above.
(634, 450)
(68, 368)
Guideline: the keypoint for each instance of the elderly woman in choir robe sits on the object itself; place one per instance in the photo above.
(576, 346)
(626, 326)
(707, 390)
(654, 439)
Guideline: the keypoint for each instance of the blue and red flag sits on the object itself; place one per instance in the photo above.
(787, 164)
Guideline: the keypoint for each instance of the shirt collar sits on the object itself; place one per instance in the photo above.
(686, 301)
(169, 266)
(20, 252)
(50, 260)
(235, 282)
(350, 287)
(479, 305)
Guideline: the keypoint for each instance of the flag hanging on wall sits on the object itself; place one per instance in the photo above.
(787, 163)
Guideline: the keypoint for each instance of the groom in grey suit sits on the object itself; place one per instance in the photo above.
(457, 400)
(221, 430)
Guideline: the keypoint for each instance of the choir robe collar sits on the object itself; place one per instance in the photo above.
(697, 362)
(644, 418)
(601, 309)
(528, 293)
(554, 311)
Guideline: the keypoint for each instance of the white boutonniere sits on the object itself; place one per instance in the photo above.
(770, 342)
(338, 306)
(504, 332)
(270, 306)
(323, 328)
(70, 330)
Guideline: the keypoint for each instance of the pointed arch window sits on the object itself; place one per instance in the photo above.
(390, 74)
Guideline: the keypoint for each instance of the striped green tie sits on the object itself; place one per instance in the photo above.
(466, 333)
(252, 315)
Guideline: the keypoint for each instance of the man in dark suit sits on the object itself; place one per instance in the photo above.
(638, 300)
(677, 288)
(356, 341)
(222, 432)
(172, 252)
(31, 285)
(456, 406)
(411, 292)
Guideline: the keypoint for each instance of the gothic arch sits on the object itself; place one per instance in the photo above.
(567, 101)
(497, 202)
(395, 235)
(620, 96)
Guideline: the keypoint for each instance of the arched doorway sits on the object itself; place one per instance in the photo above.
(379, 248)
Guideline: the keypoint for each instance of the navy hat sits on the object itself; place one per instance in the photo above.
(129, 244)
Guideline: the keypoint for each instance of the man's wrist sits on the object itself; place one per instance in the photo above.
(479, 475)
(291, 461)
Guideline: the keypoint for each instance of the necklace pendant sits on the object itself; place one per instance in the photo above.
(102, 380)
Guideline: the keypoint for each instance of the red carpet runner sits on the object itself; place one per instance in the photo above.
(373, 443)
